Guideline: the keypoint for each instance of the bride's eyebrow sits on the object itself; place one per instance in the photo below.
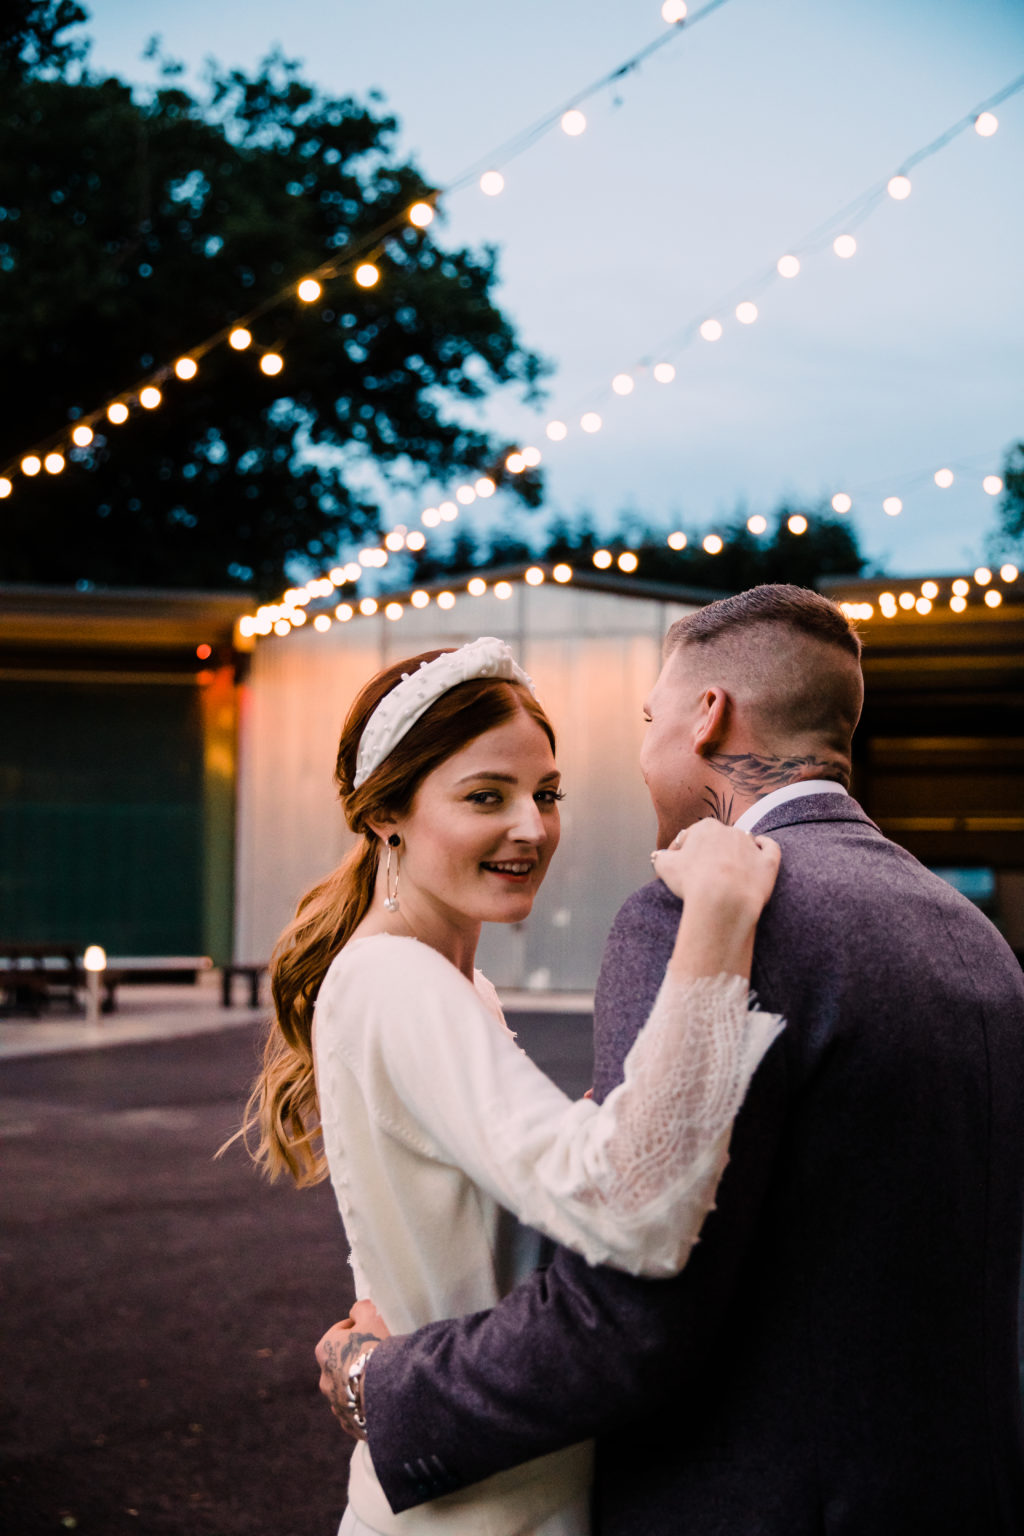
(502, 778)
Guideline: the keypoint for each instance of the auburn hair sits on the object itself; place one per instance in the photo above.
(281, 1126)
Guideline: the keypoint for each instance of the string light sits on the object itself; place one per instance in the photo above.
(186, 368)
(562, 573)
(676, 540)
(797, 523)
(943, 478)
(983, 576)
(673, 11)
(240, 338)
(986, 124)
(664, 372)
(344, 612)
(448, 511)
(6, 488)
(309, 290)
(515, 463)
(907, 601)
(1008, 572)
(477, 587)
(590, 421)
(627, 562)
(53, 463)
(993, 598)
(31, 464)
(899, 188)
(623, 383)
(841, 502)
(531, 456)
(322, 622)
(958, 604)
(117, 413)
(711, 330)
(150, 397)
(82, 436)
(992, 485)
(892, 506)
(430, 517)
(485, 486)
(465, 495)
(415, 540)
(534, 576)
(923, 605)
(844, 246)
(393, 611)
(420, 599)
(712, 544)
(602, 558)
(573, 123)
(421, 214)
(788, 266)
(368, 606)
(929, 589)
(757, 524)
(502, 590)
(556, 431)
(746, 312)
(367, 275)
(492, 183)
(446, 600)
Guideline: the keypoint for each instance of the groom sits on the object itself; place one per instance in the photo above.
(840, 1354)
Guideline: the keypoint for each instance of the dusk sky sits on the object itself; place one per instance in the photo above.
(694, 175)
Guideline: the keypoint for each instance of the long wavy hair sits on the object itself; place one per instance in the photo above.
(281, 1127)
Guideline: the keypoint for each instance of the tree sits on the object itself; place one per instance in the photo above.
(130, 229)
(1011, 506)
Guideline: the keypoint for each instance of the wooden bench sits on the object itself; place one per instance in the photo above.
(181, 970)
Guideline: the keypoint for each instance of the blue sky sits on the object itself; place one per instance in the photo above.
(695, 174)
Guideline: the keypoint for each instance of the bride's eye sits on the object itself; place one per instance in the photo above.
(484, 797)
(549, 796)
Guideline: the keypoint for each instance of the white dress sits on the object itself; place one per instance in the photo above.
(436, 1124)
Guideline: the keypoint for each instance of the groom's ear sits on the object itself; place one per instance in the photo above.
(713, 717)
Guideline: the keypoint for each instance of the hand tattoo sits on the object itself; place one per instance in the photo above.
(754, 774)
(337, 1355)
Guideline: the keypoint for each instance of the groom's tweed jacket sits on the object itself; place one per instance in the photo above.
(840, 1356)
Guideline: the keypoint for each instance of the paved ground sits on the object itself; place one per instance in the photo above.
(158, 1308)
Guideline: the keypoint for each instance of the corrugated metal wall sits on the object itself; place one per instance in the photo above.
(592, 655)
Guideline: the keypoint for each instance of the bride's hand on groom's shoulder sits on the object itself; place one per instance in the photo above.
(338, 1352)
(710, 861)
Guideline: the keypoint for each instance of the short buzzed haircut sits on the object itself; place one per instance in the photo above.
(778, 603)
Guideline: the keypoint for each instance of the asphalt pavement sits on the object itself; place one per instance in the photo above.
(158, 1307)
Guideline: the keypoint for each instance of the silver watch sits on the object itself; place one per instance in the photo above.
(353, 1385)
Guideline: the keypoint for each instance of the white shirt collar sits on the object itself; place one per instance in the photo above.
(748, 821)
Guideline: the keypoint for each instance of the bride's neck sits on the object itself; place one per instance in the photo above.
(418, 919)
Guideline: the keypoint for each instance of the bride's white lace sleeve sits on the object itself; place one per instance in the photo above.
(626, 1183)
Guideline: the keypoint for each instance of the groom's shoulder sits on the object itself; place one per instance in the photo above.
(644, 929)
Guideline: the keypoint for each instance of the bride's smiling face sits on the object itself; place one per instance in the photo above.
(483, 826)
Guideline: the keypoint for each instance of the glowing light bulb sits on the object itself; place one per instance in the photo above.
(421, 214)
(757, 523)
(430, 517)
(465, 495)
(337, 575)
(368, 607)
(602, 558)
(366, 558)
(186, 368)
(415, 541)
(31, 465)
(298, 617)
(117, 413)
(394, 541)
(420, 599)
(892, 506)
(983, 575)
(393, 611)
(590, 421)
(515, 463)
(491, 183)
(446, 599)
(907, 601)
(1008, 573)
(477, 587)
(95, 958)
(247, 626)
(534, 577)
(623, 384)
(844, 246)
(887, 603)
(322, 622)
(993, 598)
(746, 312)
(712, 544)
(961, 587)
(240, 338)
(531, 457)
(627, 561)
(573, 123)
(353, 571)
(841, 502)
(484, 487)
(367, 275)
(943, 479)
(53, 463)
(6, 488)
(502, 590)
(556, 431)
(562, 573)
(930, 589)
(664, 373)
(149, 398)
(281, 627)
(899, 188)
(676, 540)
(448, 511)
(271, 363)
(797, 523)
(711, 330)
(992, 485)
(309, 290)
(986, 124)
(343, 612)
(923, 605)
(82, 436)
(787, 266)
(958, 604)
(673, 11)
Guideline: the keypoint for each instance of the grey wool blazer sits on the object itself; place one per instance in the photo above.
(840, 1356)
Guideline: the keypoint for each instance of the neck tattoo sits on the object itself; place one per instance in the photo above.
(753, 774)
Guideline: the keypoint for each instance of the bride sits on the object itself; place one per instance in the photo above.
(389, 1067)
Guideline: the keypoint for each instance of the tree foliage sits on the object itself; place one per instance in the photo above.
(828, 548)
(132, 228)
(1011, 505)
